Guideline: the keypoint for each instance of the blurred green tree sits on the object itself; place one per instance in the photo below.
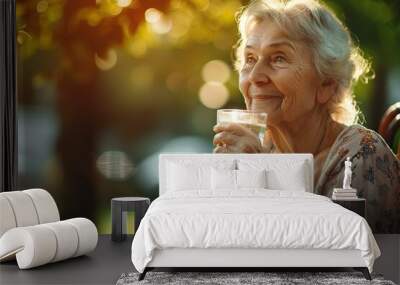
(81, 33)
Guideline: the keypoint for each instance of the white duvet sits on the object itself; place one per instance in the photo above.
(250, 219)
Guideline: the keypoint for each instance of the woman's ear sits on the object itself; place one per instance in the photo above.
(327, 89)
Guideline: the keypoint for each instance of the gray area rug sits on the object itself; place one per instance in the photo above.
(229, 278)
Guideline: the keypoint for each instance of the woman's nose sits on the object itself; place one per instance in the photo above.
(259, 74)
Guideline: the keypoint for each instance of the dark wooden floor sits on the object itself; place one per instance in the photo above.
(110, 260)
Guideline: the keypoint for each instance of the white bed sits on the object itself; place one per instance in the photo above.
(203, 220)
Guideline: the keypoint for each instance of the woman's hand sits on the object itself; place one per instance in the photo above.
(235, 138)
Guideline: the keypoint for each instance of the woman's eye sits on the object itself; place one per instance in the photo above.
(250, 59)
(279, 60)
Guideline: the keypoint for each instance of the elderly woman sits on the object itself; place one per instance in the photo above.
(298, 63)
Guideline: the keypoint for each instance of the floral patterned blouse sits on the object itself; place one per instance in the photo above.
(376, 175)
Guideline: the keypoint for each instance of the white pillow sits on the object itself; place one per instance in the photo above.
(186, 177)
(223, 179)
(251, 178)
(281, 175)
(228, 179)
(193, 174)
(293, 180)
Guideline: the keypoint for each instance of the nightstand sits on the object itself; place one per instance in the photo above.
(120, 207)
(357, 205)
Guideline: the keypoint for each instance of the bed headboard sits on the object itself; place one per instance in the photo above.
(268, 159)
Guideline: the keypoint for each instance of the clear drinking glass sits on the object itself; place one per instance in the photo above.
(256, 121)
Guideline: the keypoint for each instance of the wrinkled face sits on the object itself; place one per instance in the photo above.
(277, 75)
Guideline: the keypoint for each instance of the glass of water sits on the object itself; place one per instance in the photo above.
(255, 121)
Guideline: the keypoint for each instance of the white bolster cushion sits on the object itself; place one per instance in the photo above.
(45, 205)
(23, 208)
(40, 244)
(7, 218)
(87, 235)
(66, 238)
(33, 246)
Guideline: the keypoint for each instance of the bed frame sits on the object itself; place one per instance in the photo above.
(242, 259)
(246, 258)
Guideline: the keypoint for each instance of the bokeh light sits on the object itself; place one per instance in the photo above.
(181, 23)
(124, 3)
(152, 15)
(216, 70)
(115, 165)
(213, 95)
(93, 18)
(42, 6)
(108, 62)
(159, 23)
(163, 26)
(23, 36)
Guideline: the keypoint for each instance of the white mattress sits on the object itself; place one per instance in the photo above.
(252, 218)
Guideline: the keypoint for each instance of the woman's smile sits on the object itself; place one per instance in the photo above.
(265, 97)
(266, 103)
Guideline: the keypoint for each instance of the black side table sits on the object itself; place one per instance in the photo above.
(357, 205)
(120, 207)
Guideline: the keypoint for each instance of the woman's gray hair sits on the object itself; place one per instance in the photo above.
(335, 55)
